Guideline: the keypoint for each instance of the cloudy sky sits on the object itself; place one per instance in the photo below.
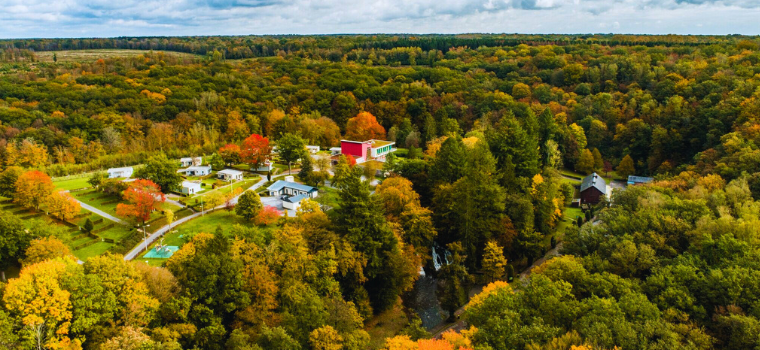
(105, 18)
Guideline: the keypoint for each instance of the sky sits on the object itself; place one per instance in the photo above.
(109, 18)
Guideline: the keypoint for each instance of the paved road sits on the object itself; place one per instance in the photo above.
(100, 212)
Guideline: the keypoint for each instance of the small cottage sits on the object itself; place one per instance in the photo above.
(230, 175)
(115, 173)
(638, 180)
(312, 149)
(293, 202)
(593, 188)
(191, 161)
(190, 187)
(196, 170)
(290, 189)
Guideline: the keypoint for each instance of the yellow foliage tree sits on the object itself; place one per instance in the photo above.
(494, 262)
(42, 249)
(325, 338)
(63, 206)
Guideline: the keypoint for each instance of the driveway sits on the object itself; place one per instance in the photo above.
(101, 213)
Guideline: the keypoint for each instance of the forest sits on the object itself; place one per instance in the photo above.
(493, 134)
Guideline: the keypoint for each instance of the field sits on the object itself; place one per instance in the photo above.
(72, 184)
(92, 55)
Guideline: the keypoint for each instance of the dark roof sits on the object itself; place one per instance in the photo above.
(639, 179)
(594, 180)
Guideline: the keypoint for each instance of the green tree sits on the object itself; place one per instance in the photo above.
(291, 148)
(96, 179)
(162, 171)
(585, 164)
(249, 205)
(493, 262)
(598, 160)
(450, 161)
(307, 170)
(510, 143)
(8, 180)
(88, 226)
(216, 162)
(453, 291)
(626, 167)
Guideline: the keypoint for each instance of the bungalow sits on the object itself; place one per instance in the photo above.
(230, 175)
(196, 170)
(312, 149)
(367, 150)
(637, 180)
(593, 188)
(291, 189)
(114, 173)
(190, 187)
(190, 161)
(335, 151)
(267, 166)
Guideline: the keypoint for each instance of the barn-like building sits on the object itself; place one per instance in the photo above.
(593, 188)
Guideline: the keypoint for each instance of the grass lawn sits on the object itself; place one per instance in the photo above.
(328, 196)
(99, 200)
(72, 184)
(245, 184)
(92, 250)
(569, 216)
(611, 176)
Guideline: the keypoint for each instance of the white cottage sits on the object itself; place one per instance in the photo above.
(291, 189)
(191, 161)
(312, 149)
(196, 170)
(230, 175)
(115, 173)
(190, 187)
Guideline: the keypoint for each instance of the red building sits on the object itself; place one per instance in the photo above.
(363, 151)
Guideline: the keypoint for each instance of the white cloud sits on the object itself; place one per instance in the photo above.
(44, 18)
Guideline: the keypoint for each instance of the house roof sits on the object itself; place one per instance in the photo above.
(639, 179)
(594, 180)
(230, 172)
(189, 159)
(280, 184)
(188, 184)
(129, 168)
(380, 143)
(295, 199)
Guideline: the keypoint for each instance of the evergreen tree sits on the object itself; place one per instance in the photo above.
(450, 161)
(510, 142)
(88, 226)
(249, 205)
(359, 219)
(307, 170)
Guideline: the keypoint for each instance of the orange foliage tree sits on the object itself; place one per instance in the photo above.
(63, 206)
(144, 196)
(230, 154)
(255, 150)
(363, 127)
(33, 188)
(267, 215)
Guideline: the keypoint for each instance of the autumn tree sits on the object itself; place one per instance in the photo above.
(626, 167)
(162, 171)
(326, 338)
(143, 197)
(230, 153)
(585, 164)
(255, 150)
(46, 248)
(494, 262)
(33, 188)
(63, 206)
(363, 127)
(267, 215)
(598, 160)
(248, 205)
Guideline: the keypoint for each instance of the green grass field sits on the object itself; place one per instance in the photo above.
(72, 184)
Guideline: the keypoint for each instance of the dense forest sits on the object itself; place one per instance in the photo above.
(488, 128)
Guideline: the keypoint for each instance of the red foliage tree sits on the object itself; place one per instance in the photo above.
(268, 215)
(363, 127)
(230, 154)
(144, 196)
(255, 150)
(351, 160)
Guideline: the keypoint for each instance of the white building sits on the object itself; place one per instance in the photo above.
(196, 170)
(312, 149)
(267, 166)
(190, 187)
(191, 161)
(291, 189)
(294, 202)
(335, 151)
(115, 173)
(230, 175)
